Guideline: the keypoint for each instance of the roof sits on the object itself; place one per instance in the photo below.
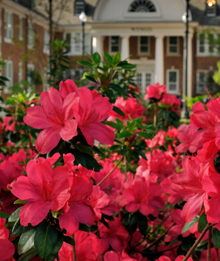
(63, 11)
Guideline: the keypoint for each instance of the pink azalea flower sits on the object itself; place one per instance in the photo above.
(88, 247)
(7, 248)
(91, 111)
(113, 256)
(190, 138)
(190, 186)
(44, 189)
(130, 107)
(68, 87)
(78, 208)
(116, 236)
(155, 91)
(102, 203)
(55, 117)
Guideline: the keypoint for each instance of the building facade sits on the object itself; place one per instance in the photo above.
(150, 32)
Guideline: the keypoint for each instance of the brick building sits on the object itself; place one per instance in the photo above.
(151, 31)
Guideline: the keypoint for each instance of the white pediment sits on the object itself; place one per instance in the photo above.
(118, 10)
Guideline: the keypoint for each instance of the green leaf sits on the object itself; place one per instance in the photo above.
(96, 58)
(86, 160)
(18, 228)
(124, 134)
(97, 150)
(69, 240)
(190, 224)
(144, 134)
(202, 222)
(117, 88)
(58, 244)
(15, 215)
(45, 239)
(141, 153)
(119, 111)
(108, 58)
(143, 224)
(113, 125)
(19, 201)
(85, 63)
(90, 78)
(28, 255)
(216, 237)
(26, 241)
(116, 58)
(4, 215)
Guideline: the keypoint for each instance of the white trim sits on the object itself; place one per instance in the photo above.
(21, 27)
(176, 91)
(6, 74)
(46, 41)
(148, 44)
(142, 77)
(20, 72)
(8, 26)
(170, 45)
(31, 34)
(198, 81)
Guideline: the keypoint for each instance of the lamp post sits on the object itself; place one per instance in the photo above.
(185, 18)
(210, 3)
(83, 19)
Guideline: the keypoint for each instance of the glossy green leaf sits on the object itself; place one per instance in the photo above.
(45, 239)
(124, 134)
(85, 63)
(119, 111)
(108, 58)
(202, 222)
(28, 255)
(216, 237)
(190, 224)
(96, 58)
(15, 215)
(26, 241)
(4, 215)
(19, 201)
(116, 58)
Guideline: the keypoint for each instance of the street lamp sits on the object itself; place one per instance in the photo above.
(185, 18)
(210, 3)
(83, 19)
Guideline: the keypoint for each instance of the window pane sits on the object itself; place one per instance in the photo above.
(115, 49)
(172, 76)
(173, 49)
(115, 39)
(173, 40)
(148, 79)
(144, 49)
(144, 40)
(172, 87)
(139, 79)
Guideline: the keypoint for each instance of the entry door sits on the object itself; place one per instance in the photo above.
(144, 79)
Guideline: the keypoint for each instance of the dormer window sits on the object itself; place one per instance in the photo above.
(211, 7)
(79, 7)
(142, 6)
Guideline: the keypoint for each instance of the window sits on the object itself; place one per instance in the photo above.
(208, 44)
(46, 41)
(20, 28)
(114, 44)
(144, 79)
(20, 72)
(211, 43)
(75, 43)
(30, 35)
(211, 10)
(144, 46)
(173, 45)
(201, 43)
(30, 68)
(142, 6)
(173, 81)
(201, 81)
(8, 26)
(79, 7)
(8, 71)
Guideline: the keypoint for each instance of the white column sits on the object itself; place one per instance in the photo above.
(97, 44)
(159, 60)
(125, 52)
(190, 65)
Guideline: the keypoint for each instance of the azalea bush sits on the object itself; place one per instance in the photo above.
(99, 173)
